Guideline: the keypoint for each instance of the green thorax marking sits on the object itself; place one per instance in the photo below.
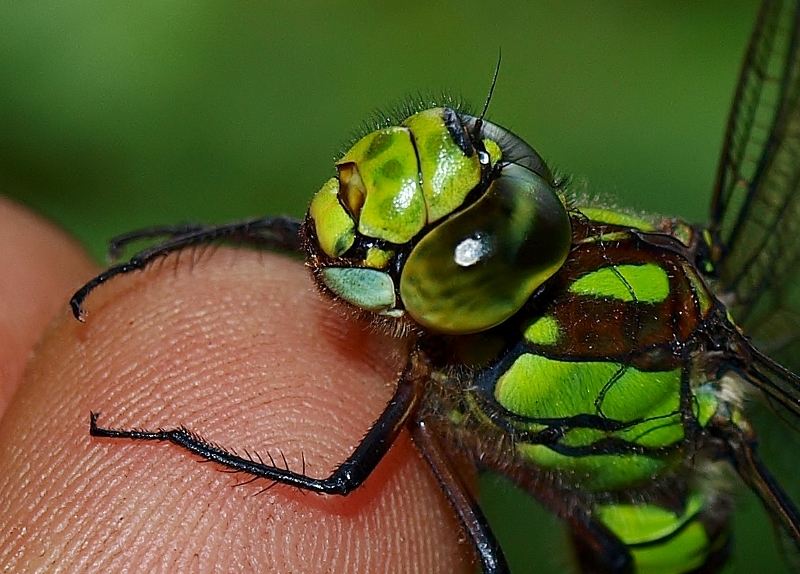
(593, 403)
(543, 331)
(617, 218)
(646, 283)
(535, 387)
(626, 300)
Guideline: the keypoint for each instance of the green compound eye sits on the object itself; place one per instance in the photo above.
(478, 268)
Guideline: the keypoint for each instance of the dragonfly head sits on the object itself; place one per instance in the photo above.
(446, 219)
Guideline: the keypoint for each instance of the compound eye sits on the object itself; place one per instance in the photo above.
(478, 268)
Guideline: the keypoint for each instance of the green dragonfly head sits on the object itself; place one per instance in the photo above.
(446, 219)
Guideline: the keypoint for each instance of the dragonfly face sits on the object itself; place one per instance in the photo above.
(424, 221)
(595, 358)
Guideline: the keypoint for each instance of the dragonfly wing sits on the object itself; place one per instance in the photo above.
(755, 213)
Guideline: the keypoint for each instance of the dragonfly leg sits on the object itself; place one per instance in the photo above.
(344, 479)
(117, 244)
(281, 233)
(742, 454)
(598, 549)
(467, 510)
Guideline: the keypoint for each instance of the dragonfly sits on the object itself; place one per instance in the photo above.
(615, 366)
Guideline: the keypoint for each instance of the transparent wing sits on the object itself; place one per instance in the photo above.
(755, 212)
(755, 224)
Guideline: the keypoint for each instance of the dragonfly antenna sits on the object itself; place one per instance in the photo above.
(494, 83)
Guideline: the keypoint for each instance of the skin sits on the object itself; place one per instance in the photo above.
(233, 344)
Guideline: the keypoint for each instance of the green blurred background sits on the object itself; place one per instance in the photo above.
(119, 115)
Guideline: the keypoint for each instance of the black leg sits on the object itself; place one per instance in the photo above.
(742, 453)
(281, 233)
(598, 549)
(469, 513)
(117, 244)
(347, 477)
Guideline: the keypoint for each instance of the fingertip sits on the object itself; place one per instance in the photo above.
(238, 347)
